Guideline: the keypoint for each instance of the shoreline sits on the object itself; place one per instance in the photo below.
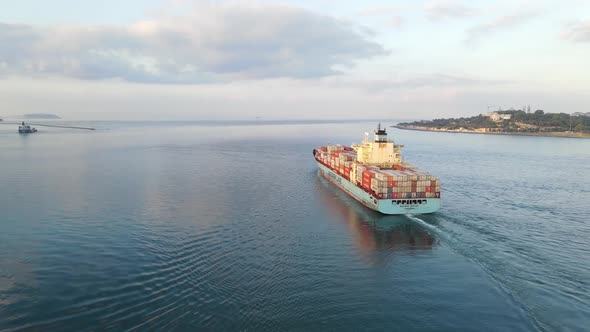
(465, 131)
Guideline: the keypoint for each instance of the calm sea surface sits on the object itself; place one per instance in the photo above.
(205, 226)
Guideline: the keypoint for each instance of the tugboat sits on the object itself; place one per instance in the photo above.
(26, 129)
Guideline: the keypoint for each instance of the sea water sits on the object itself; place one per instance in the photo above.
(228, 226)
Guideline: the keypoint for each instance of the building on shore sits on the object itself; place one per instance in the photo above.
(495, 116)
(581, 114)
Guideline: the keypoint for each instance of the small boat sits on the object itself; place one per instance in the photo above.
(26, 129)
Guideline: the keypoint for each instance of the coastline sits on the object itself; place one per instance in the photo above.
(466, 131)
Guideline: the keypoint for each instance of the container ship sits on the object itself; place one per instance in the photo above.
(375, 175)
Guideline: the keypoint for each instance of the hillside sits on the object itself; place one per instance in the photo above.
(509, 122)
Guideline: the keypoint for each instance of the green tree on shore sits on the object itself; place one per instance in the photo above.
(537, 121)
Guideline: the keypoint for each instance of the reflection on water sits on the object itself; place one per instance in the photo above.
(373, 232)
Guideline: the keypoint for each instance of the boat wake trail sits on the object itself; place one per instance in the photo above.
(431, 227)
(422, 222)
(450, 239)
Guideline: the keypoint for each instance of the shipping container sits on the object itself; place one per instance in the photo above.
(403, 181)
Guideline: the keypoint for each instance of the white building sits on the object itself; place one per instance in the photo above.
(581, 114)
(495, 116)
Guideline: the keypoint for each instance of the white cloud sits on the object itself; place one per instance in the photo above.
(577, 32)
(391, 12)
(441, 9)
(210, 43)
(476, 33)
(379, 10)
(435, 81)
(396, 21)
(336, 97)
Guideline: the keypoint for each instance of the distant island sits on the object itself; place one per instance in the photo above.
(510, 122)
(40, 116)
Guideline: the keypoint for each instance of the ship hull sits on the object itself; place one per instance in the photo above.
(385, 206)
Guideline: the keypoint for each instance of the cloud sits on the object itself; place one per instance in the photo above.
(476, 33)
(441, 9)
(210, 43)
(419, 82)
(379, 10)
(334, 97)
(443, 80)
(396, 21)
(578, 32)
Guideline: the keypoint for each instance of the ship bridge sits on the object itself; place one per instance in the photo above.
(380, 152)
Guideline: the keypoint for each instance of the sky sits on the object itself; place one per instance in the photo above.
(292, 59)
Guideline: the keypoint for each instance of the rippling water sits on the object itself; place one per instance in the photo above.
(205, 226)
